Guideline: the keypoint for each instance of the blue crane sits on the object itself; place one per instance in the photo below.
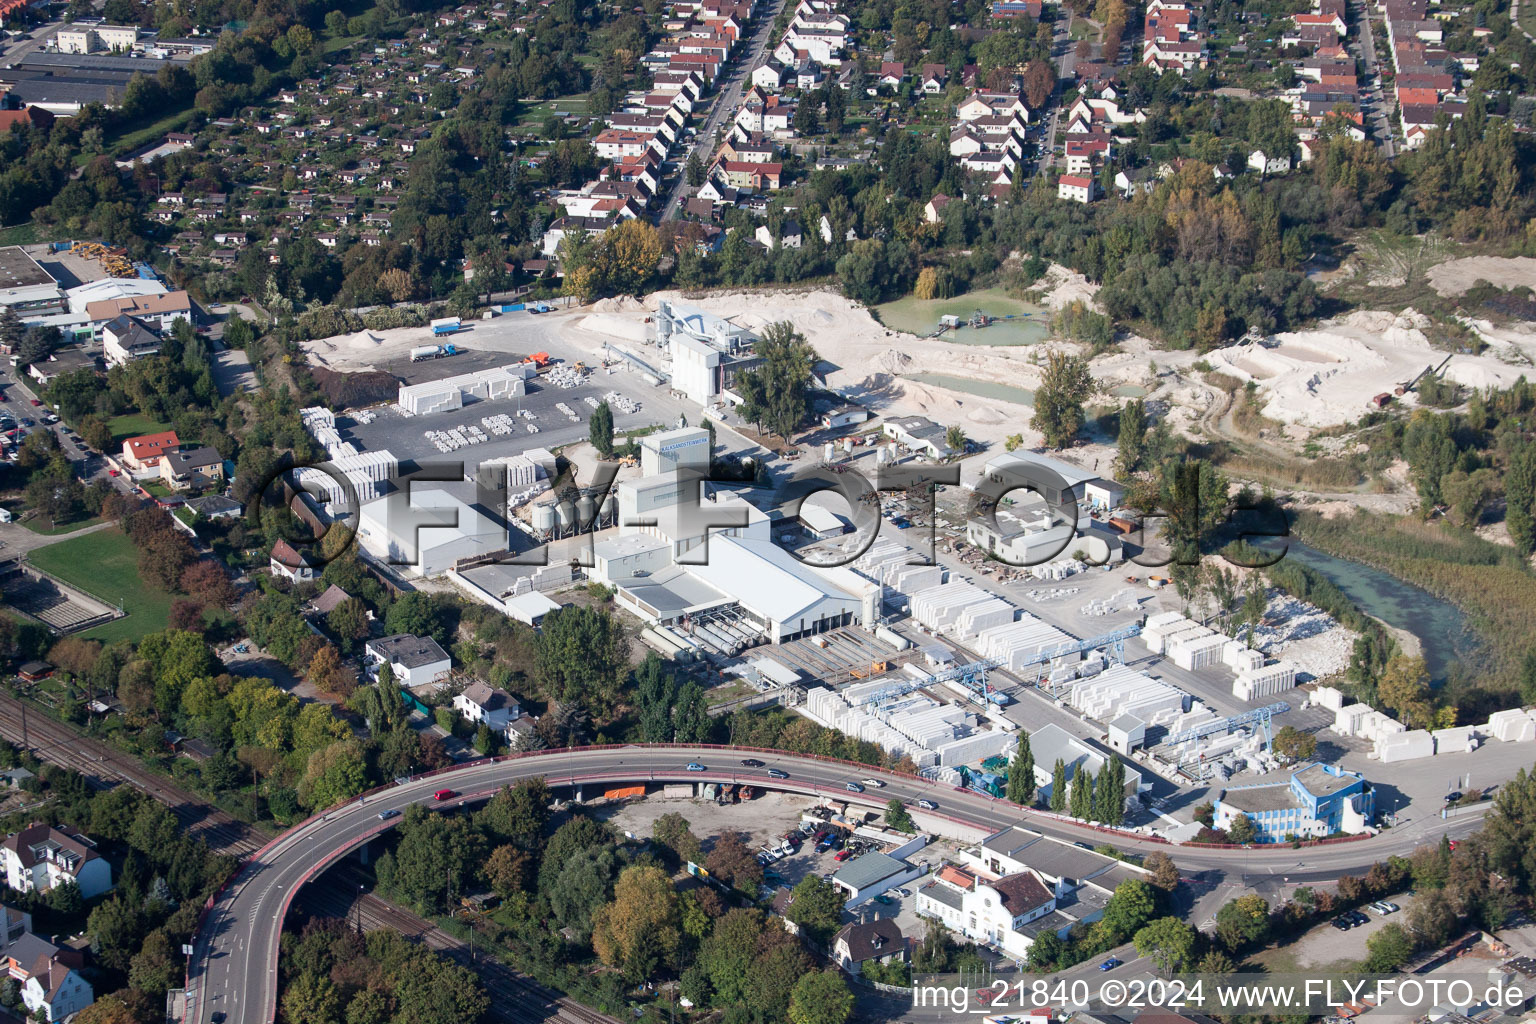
(1262, 717)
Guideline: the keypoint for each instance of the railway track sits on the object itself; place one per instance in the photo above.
(104, 767)
(515, 997)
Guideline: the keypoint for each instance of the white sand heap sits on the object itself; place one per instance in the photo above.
(1328, 376)
(1455, 276)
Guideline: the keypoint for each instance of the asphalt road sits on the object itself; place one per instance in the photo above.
(759, 33)
(234, 969)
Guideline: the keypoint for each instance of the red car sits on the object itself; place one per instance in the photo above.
(444, 794)
(842, 855)
(36, 402)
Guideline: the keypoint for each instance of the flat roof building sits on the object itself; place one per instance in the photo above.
(25, 286)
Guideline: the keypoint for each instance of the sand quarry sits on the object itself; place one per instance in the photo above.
(1310, 379)
(869, 362)
(1327, 376)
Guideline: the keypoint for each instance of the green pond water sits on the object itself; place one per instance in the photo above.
(1029, 325)
(971, 386)
(1128, 391)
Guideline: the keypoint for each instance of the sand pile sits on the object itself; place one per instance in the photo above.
(1456, 276)
(1062, 287)
(619, 304)
(1328, 376)
(871, 360)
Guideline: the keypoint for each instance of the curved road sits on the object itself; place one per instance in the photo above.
(234, 969)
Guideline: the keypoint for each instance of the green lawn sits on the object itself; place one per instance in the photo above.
(37, 524)
(105, 564)
(133, 424)
(19, 234)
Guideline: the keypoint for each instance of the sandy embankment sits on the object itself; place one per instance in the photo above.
(870, 362)
(1327, 376)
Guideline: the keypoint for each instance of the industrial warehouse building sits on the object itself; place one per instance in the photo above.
(707, 351)
(427, 530)
(672, 564)
(1317, 800)
(450, 393)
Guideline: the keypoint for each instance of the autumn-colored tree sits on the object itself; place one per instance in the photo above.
(397, 284)
(506, 870)
(1039, 83)
(1165, 875)
(327, 672)
(187, 614)
(1404, 688)
(933, 283)
(626, 256)
(731, 861)
(205, 580)
(641, 929)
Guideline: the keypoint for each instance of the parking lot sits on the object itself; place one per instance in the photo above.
(1326, 945)
(407, 436)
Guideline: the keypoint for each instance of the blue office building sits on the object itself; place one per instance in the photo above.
(1316, 800)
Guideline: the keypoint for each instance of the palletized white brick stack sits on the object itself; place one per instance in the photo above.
(1516, 725)
(1239, 657)
(982, 616)
(1011, 644)
(1456, 740)
(1265, 681)
(1405, 746)
(1120, 690)
(1197, 651)
(976, 747)
(1329, 697)
(938, 607)
(1157, 627)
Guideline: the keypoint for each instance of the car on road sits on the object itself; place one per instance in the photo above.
(874, 783)
(36, 403)
(1110, 964)
(777, 773)
(751, 762)
(1452, 797)
(444, 794)
(218, 1017)
(694, 766)
(928, 805)
(854, 787)
(386, 815)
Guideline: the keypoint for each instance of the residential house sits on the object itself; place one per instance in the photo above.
(290, 563)
(1077, 188)
(192, 469)
(876, 941)
(40, 857)
(125, 338)
(143, 453)
(933, 212)
(1265, 164)
(482, 703)
(413, 659)
(48, 975)
(994, 911)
